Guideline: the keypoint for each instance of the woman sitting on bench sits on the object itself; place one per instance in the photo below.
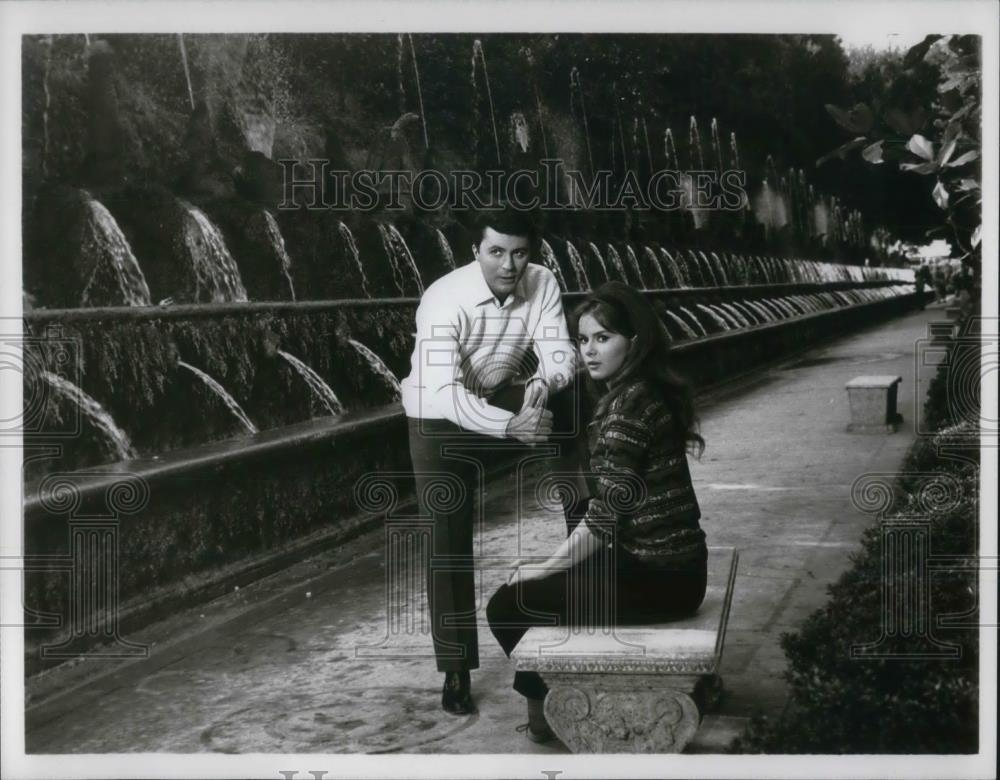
(639, 554)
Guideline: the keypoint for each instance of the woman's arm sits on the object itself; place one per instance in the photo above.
(617, 461)
(578, 546)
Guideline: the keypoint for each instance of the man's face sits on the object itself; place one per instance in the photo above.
(503, 258)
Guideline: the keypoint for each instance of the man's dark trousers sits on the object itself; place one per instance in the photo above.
(450, 467)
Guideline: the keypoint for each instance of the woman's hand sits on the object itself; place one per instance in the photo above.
(525, 571)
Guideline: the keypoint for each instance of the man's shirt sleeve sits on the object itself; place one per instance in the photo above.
(552, 344)
(439, 371)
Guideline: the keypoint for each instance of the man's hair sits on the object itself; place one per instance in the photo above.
(504, 219)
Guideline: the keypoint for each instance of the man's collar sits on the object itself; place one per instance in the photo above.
(483, 293)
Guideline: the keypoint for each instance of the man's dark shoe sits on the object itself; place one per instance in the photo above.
(456, 696)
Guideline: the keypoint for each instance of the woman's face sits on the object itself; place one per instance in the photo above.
(602, 351)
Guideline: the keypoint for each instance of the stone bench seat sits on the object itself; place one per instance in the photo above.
(640, 688)
(872, 399)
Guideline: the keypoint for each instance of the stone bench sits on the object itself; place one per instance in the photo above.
(873, 403)
(637, 689)
(941, 330)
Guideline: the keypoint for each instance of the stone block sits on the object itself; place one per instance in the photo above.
(873, 404)
(941, 330)
(635, 689)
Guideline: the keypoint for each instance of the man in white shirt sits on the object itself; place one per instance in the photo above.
(481, 330)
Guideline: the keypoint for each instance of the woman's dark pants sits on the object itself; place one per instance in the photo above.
(642, 596)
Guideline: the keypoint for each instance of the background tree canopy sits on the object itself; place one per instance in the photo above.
(315, 95)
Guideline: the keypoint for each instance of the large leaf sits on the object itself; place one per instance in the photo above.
(873, 153)
(858, 120)
(964, 158)
(940, 195)
(921, 147)
(903, 123)
(921, 168)
(842, 150)
(948, 142)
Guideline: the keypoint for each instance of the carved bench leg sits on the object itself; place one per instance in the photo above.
(624, 713)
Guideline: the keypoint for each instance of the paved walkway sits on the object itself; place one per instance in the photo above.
(293, 664)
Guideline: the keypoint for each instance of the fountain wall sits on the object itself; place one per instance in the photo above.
(224, 512)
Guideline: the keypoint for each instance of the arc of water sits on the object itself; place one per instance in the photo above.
(734, 151)
(445, 247)
(398, 254)
(600, 260)
(583, 282)
(694, 144)
(214, 268)
(320, 389)
(654, 260)
(390, 253)
(767, 315)
(717, 263)
(771, 306)
(278, 242)
(733, 320)
(616, 261)
(104, 239)
(575, 80)
(378, 366)
(670, 149)
(549, 261)
(93, 411)
(223, 395)
(697, 323)
(187, 72)
(682, 280)
(688, 331)
(634, 262)
(695, 263)
(420, 94)
(477, 49)
(716, 318)
(47, 105)
(748, 313)
(736, 314)
(401, 86)
(786, 307)
(716, 145)
(716, 282)
(649, 149)
(352, 249)
(621, 124)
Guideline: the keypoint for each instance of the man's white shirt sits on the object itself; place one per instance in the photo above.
(468, 345)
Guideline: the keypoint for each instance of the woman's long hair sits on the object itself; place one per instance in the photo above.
(624, 310)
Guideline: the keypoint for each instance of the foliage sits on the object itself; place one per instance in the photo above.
(939, 137)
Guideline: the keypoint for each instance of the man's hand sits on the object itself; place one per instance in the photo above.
(531, 425)
(536, 394)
